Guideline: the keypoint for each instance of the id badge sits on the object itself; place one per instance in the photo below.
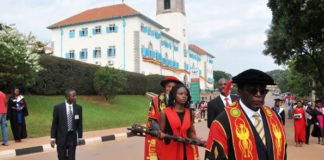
(76, 116)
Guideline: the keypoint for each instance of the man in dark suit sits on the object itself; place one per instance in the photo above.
(217, 105)
(66, 129)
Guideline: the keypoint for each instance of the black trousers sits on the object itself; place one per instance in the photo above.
(309, 122)
(67, 151)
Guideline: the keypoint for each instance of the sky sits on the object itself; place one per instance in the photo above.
(233, 31)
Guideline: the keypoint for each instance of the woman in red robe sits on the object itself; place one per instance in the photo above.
(177, 120)
(299, 123)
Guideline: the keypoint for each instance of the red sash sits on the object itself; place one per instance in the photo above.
(243, 138)
(151, 147)
(174, 150)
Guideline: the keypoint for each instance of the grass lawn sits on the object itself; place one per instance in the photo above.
(124, 110)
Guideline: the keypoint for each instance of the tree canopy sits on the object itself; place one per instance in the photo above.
(297, 34)
(18, 64)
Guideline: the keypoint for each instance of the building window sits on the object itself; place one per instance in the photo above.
(71, 54)
(97, 52)
(167, 4)
(96, 30)
(184, 50)
(83, 32)
(83, 54)
(72, 33)
(142, 27)
(149, 31)
(111, 51)
(112, 28)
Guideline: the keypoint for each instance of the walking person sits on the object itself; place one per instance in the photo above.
(158, 104)
(66, 130)
(203, 108)
(247, 129)
(320, 118)
(279, 110)
(3, 115)
(16, 113)
(217, 105)
(177, 120)
(300, 123)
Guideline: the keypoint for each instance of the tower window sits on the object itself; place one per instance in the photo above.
(167, 4)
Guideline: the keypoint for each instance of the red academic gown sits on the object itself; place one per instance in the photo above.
(175, 150)
(300, 126)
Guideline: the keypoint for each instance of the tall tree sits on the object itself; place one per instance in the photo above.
(18, 64)
(297, 32)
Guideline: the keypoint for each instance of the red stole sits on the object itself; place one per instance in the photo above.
(243, 138)
(151, 147)
(174, 150)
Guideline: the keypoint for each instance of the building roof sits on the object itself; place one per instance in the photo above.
(199, 50)
(102, 13)
(170, 37)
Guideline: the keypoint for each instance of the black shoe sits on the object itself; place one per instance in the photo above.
(4, 144)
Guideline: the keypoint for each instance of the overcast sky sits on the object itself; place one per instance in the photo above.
(232, 30)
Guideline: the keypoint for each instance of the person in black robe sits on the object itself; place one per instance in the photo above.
(279, 110)
(17, 110)
(220, 145)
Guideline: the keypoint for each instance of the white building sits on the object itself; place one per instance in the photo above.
(123, 38)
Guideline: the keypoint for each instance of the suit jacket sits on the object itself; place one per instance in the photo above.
(59, 128)
(215, 107)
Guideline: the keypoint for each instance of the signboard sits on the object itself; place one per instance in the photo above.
(195, 85)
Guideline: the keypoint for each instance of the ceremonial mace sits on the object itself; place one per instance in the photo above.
(139, 130)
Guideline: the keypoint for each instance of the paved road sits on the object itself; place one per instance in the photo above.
(133, 148)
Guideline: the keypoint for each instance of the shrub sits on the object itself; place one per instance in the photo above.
(108, 82)
(58, 74)
(135, 83)
(153, 83)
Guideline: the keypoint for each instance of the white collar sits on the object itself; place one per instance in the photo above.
(67, 104)
(223, 97)
(249, 112)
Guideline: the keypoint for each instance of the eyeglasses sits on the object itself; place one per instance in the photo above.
(254, 91)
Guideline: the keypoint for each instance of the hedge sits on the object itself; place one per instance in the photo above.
(59, 74)
(153, 83)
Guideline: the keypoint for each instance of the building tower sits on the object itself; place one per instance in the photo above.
(171, 14)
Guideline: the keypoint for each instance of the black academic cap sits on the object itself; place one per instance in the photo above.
(253, 76)
(277, 99)
(318, 101)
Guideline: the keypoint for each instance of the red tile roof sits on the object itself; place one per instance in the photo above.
(98, 13)
(198, 49)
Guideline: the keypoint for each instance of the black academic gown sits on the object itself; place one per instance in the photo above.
(264, 152)
(12, 115)
(281, 114)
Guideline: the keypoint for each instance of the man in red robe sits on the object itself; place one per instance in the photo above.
(247, 129)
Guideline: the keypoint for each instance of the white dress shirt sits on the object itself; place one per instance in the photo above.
(67, 112)
(249, 112)
(67, 108)
(224, 101)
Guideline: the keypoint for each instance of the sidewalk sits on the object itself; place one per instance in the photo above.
(41, 144)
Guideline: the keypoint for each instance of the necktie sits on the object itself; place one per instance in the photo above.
(70, 116)
(259, 127)
(226, 100)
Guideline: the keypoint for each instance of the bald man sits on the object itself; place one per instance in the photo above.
(217, 105)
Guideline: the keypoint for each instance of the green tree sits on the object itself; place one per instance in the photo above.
(297, 33)
(18, 64)
(108, 82)
(282, 81)
(298, 83)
